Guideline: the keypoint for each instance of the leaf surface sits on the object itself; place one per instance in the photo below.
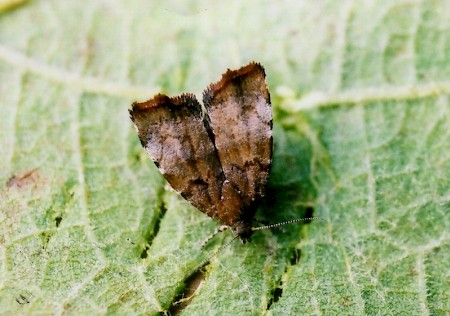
(360, 92)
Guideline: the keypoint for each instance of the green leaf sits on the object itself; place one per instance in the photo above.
(361, 94)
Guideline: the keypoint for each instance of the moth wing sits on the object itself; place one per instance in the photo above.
(173, 133)
(240, 118)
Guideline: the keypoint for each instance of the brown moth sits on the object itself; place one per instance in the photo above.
(218, 160)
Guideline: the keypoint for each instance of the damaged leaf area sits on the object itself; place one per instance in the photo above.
(360, 94)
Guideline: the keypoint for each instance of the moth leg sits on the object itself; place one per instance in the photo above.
(219, 229)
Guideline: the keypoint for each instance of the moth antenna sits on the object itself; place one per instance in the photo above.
(287, 222)
(219, 229)
(204, 262)
(224, 227)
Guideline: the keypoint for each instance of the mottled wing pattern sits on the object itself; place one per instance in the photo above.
(240, 118)
(173, 133)
(219, 161)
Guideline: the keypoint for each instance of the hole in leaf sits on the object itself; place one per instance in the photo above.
(144, 253)
(162, 212)
(183, 299)
(152, 234)
(58, 220)
(276, 294)
(278, 291)
(296, 255)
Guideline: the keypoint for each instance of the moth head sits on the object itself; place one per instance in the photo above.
(243, 230)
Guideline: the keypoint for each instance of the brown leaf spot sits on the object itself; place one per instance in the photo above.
(23, 179)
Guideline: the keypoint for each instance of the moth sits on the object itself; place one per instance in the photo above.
(217, 157)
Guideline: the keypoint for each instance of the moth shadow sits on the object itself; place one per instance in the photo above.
(290, 193)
